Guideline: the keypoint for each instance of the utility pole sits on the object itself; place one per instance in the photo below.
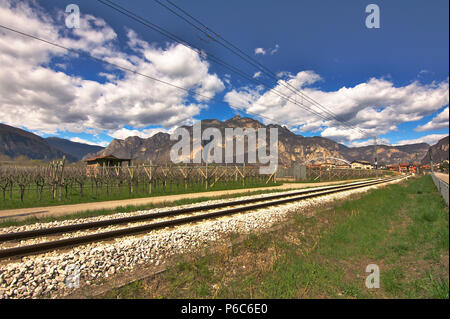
(376, 155)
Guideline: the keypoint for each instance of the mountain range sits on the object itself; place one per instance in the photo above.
(79, 150)
(292, 148)
(15, 142)
(438, 152)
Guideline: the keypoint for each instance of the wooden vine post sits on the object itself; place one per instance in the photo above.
(185, 172)
(131, 172)
(165, 172)
(61, 176)
(149, 172)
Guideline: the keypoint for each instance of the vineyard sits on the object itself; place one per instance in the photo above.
(304, 173)
(57, 184)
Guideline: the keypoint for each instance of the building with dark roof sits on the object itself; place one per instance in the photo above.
(361, 165)
(93, 163)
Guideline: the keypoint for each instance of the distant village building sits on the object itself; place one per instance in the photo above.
(322, 165)
(361, 165)
(408, 167)
(415, 168)
(92, 164)
(404, 167)
(394, 168)
(342, 166)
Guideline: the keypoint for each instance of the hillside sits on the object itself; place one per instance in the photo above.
(78, 150)
(293, 148)
(439, 152)
(389, 154)
(15, 142)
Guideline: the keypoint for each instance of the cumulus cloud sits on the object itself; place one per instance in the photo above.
(123, 133)
(263, 51)
(260, 51)
(274, 50)
(375, 107)
(285, 75)
(380, 141)
(40, 98)
(81, 140)
(257, 75)
(440, 121)
(429, 139)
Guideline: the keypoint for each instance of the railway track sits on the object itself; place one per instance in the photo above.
(194, 214)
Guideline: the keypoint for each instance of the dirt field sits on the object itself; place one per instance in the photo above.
(70, 209)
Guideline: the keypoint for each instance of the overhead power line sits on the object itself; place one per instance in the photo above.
(215, 59)
(239, 52)
(85, 54)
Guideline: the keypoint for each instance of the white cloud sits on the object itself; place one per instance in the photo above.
(285, 74)
(429, 139)
(260, 51)
(313, 126)
(103, 143)
(34, 96)
(80, 140)
(244, 98)
(263, 51)
(375, 107)
(440, 121)
(274, 50)
(123, 133)
(257, 75)
(380, 141)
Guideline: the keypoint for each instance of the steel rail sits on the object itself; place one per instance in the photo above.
(150, 216)
(69, 242)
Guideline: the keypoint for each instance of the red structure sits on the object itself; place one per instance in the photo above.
(404, 167)
(393, 168)
(415, 168)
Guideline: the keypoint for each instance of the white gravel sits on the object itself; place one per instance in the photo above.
(49, 275)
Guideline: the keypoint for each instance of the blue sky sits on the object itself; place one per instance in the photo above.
(391, 82)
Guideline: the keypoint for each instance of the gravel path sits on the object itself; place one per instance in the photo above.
(57, 273)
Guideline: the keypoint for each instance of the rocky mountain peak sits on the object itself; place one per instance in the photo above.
(292, 148)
